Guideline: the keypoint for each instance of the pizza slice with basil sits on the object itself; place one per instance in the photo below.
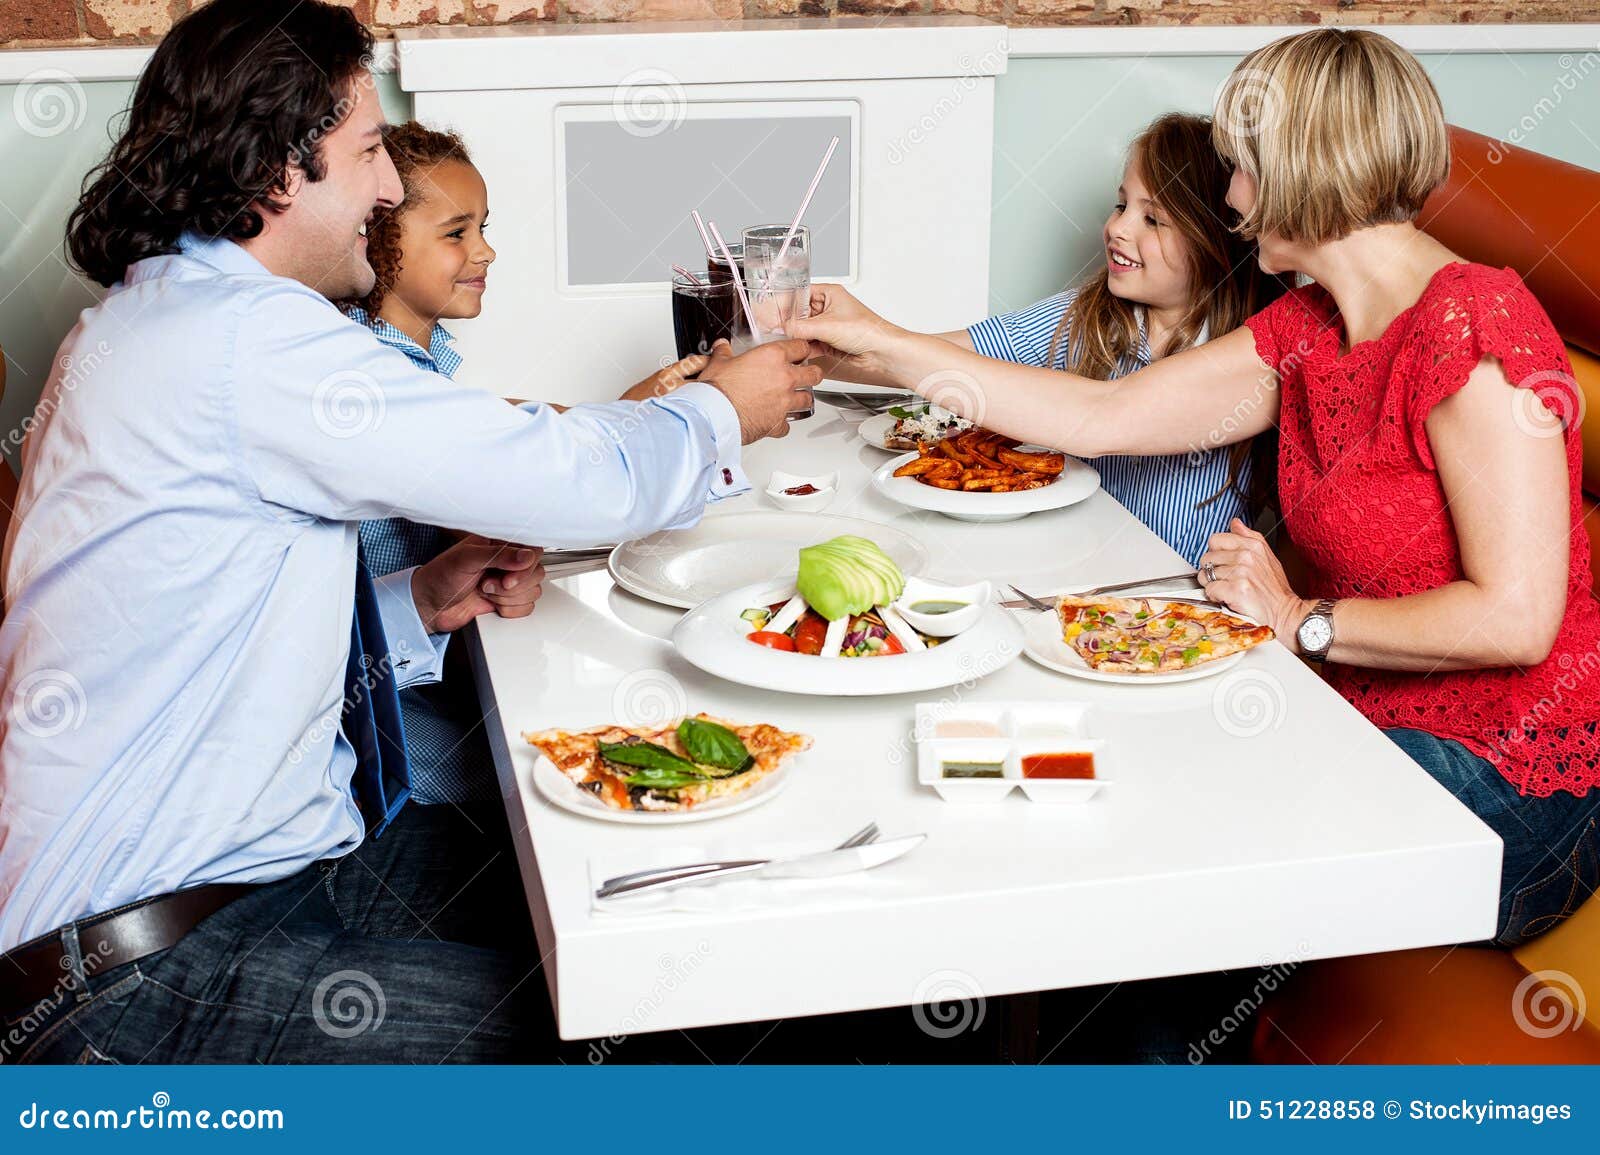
(668, 768)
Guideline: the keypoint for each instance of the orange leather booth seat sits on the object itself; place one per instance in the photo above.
(1506, 207)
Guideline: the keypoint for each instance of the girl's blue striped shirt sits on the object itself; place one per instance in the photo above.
(1163, 492)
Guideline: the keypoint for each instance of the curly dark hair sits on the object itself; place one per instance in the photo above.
(416, 151)
(235, 94)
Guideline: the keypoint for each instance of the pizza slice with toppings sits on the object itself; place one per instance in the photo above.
(668, 768)
(1152, 636)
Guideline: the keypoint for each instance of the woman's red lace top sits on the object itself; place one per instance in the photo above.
(1363, 501)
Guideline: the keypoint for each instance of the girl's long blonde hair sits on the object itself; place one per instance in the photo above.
(1175, 158)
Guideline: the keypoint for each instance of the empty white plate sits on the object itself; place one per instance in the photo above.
(684, 567)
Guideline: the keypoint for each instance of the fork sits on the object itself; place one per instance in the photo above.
(1193, 578)
(865, 836)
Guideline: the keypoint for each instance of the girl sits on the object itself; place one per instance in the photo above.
(432, 262)
(1425, 468)
(1174, 275)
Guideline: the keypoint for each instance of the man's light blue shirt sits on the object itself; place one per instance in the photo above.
(180, 572)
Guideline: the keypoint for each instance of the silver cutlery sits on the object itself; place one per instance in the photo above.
(1028, 601)
(562, 556)
(844, 860)
(868, 833)
(871, 402)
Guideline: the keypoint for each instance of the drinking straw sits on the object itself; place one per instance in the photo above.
(685, 272)
(738, 284)
(699, 224)
(806, 202)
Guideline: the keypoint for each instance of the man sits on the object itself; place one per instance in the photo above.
(179, 581)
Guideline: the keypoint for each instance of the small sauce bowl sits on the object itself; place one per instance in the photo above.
(947, 623)
(826, 485)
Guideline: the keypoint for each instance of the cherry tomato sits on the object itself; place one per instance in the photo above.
(891, 645)
(811, 633)
(773, 641)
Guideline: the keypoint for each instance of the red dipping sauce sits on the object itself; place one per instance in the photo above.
(1075, 765)
(801, 490)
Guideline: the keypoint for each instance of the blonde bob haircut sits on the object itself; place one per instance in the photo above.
(1340, 128)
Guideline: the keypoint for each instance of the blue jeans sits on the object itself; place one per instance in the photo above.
(415, 948)
(1552, 848)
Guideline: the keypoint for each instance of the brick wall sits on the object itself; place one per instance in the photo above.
(25, 23)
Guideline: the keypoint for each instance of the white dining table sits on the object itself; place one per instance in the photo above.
(1252, 819)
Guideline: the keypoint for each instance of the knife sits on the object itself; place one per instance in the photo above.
(822, 865)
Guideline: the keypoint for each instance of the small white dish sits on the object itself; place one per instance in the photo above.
(1061, 789)
(942, 625)
(935, 754)
(826, 486)
(1008, 732)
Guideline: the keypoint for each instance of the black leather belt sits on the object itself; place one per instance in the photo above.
(45, 967)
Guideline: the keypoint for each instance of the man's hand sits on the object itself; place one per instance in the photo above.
(476, 576)
(764, 384)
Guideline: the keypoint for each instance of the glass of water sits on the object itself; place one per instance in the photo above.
(779, 291)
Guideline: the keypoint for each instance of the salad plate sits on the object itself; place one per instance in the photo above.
(685, 567)
(716, 637)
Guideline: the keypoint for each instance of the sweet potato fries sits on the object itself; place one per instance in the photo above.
(978, 460)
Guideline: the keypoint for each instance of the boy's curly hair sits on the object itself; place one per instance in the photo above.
(416, 151)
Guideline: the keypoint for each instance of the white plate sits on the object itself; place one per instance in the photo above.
(874, 429)
(1044, 644)
(1077, 481)
(712, 637)
(560, 791)
(875, 432)
(684, 567)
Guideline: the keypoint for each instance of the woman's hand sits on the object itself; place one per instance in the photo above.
(1240, 571)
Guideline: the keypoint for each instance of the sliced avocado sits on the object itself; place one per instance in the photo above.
(847, 575)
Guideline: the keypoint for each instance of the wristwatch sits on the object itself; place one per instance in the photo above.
(1315, 634)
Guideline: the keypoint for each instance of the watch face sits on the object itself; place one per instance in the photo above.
(1315, 634)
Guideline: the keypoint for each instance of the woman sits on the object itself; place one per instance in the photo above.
(1425, 467)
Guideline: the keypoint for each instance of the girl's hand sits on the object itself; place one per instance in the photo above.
(1250, 580)
(668, 379)
(844, 332)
